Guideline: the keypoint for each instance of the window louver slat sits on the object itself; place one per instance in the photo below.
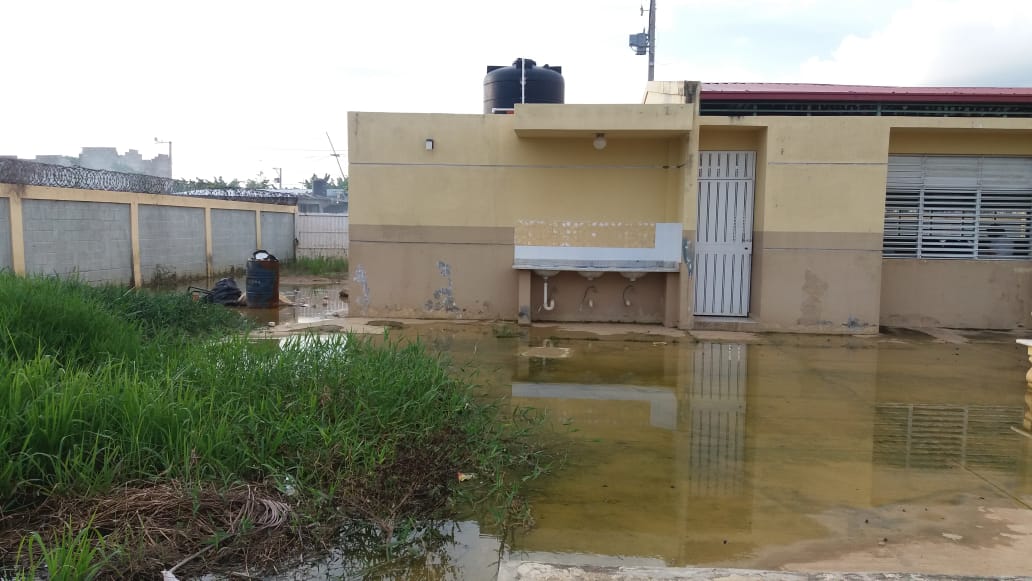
(958, 207)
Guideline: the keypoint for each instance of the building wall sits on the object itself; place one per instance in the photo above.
(6, 259)
(432, 230)
(173, 239)
(986, 294)
(87, 239)
(461, 273)
(234, 238)
(278, 234)
(818, 219)
(121, 237)
(454, 209)
(974, 294)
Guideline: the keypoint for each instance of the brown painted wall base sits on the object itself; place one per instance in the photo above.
(966, 294)
(818, 291)
(432, 280)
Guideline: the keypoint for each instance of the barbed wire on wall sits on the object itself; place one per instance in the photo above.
(32, 173)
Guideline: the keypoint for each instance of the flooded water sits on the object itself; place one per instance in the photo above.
(805, 453)
(311, 304)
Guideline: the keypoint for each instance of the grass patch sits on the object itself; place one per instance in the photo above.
(317, 266)
(104, 391)
(79, 323)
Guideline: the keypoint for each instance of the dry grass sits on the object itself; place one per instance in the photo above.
(151, 527)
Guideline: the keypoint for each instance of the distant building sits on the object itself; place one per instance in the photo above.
(108, 158)
(335, 201)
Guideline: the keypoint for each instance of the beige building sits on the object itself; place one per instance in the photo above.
(813, 208)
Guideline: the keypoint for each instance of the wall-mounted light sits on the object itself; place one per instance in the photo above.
(600, 141)
(429, 144)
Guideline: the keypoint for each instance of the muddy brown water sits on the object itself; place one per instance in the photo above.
(887, 453)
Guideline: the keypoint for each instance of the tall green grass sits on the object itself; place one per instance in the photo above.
(103, 387)
(318, 265)
(73, 556)
(80, 323)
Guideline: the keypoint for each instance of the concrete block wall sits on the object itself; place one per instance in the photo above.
(278, 234)
(172, 238)
(90, 239)
(123, 237)
(6, 259)
(234, 237)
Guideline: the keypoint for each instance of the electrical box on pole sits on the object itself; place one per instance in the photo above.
(645, 42)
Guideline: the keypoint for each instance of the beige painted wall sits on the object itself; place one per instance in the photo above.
(481, 174)
(960, 141)
(820, 190)
(819, 218)
(819, 204)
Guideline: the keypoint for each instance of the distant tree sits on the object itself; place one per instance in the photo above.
(259, 184)
(213, 184)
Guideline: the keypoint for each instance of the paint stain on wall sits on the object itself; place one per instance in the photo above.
(597, 234)
(814, 289)
(363, 297)
(443, 298)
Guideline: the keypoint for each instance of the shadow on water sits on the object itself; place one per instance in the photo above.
(716, 454)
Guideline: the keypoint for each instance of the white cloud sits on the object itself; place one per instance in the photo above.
(244, 86)
(936, 42)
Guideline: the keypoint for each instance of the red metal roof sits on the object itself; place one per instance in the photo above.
(816, 92)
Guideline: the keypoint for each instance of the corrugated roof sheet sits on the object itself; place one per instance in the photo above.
(818, 92)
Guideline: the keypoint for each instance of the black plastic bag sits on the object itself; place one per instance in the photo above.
(225, 292)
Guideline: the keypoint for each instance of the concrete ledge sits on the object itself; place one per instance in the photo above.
(574, 120)
(526, 571)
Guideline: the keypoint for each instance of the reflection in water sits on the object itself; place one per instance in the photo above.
(311, 304)
(714, 454)
(662, 403)
(716, 400)
(941, 436)
(767, 439)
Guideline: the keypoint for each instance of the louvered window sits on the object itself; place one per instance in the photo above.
(958, 207)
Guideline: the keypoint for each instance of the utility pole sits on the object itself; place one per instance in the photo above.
(335, 154)
(279, 178)
(646, 40)
(652, 41)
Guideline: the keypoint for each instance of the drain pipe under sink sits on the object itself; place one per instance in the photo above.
(546, 304)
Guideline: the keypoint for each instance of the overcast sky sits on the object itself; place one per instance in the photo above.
(243, 87)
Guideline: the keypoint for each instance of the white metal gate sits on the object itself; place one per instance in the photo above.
(321, 235)
(723, 248)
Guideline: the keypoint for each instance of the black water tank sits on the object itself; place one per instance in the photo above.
(502, 85)
(319, 187)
